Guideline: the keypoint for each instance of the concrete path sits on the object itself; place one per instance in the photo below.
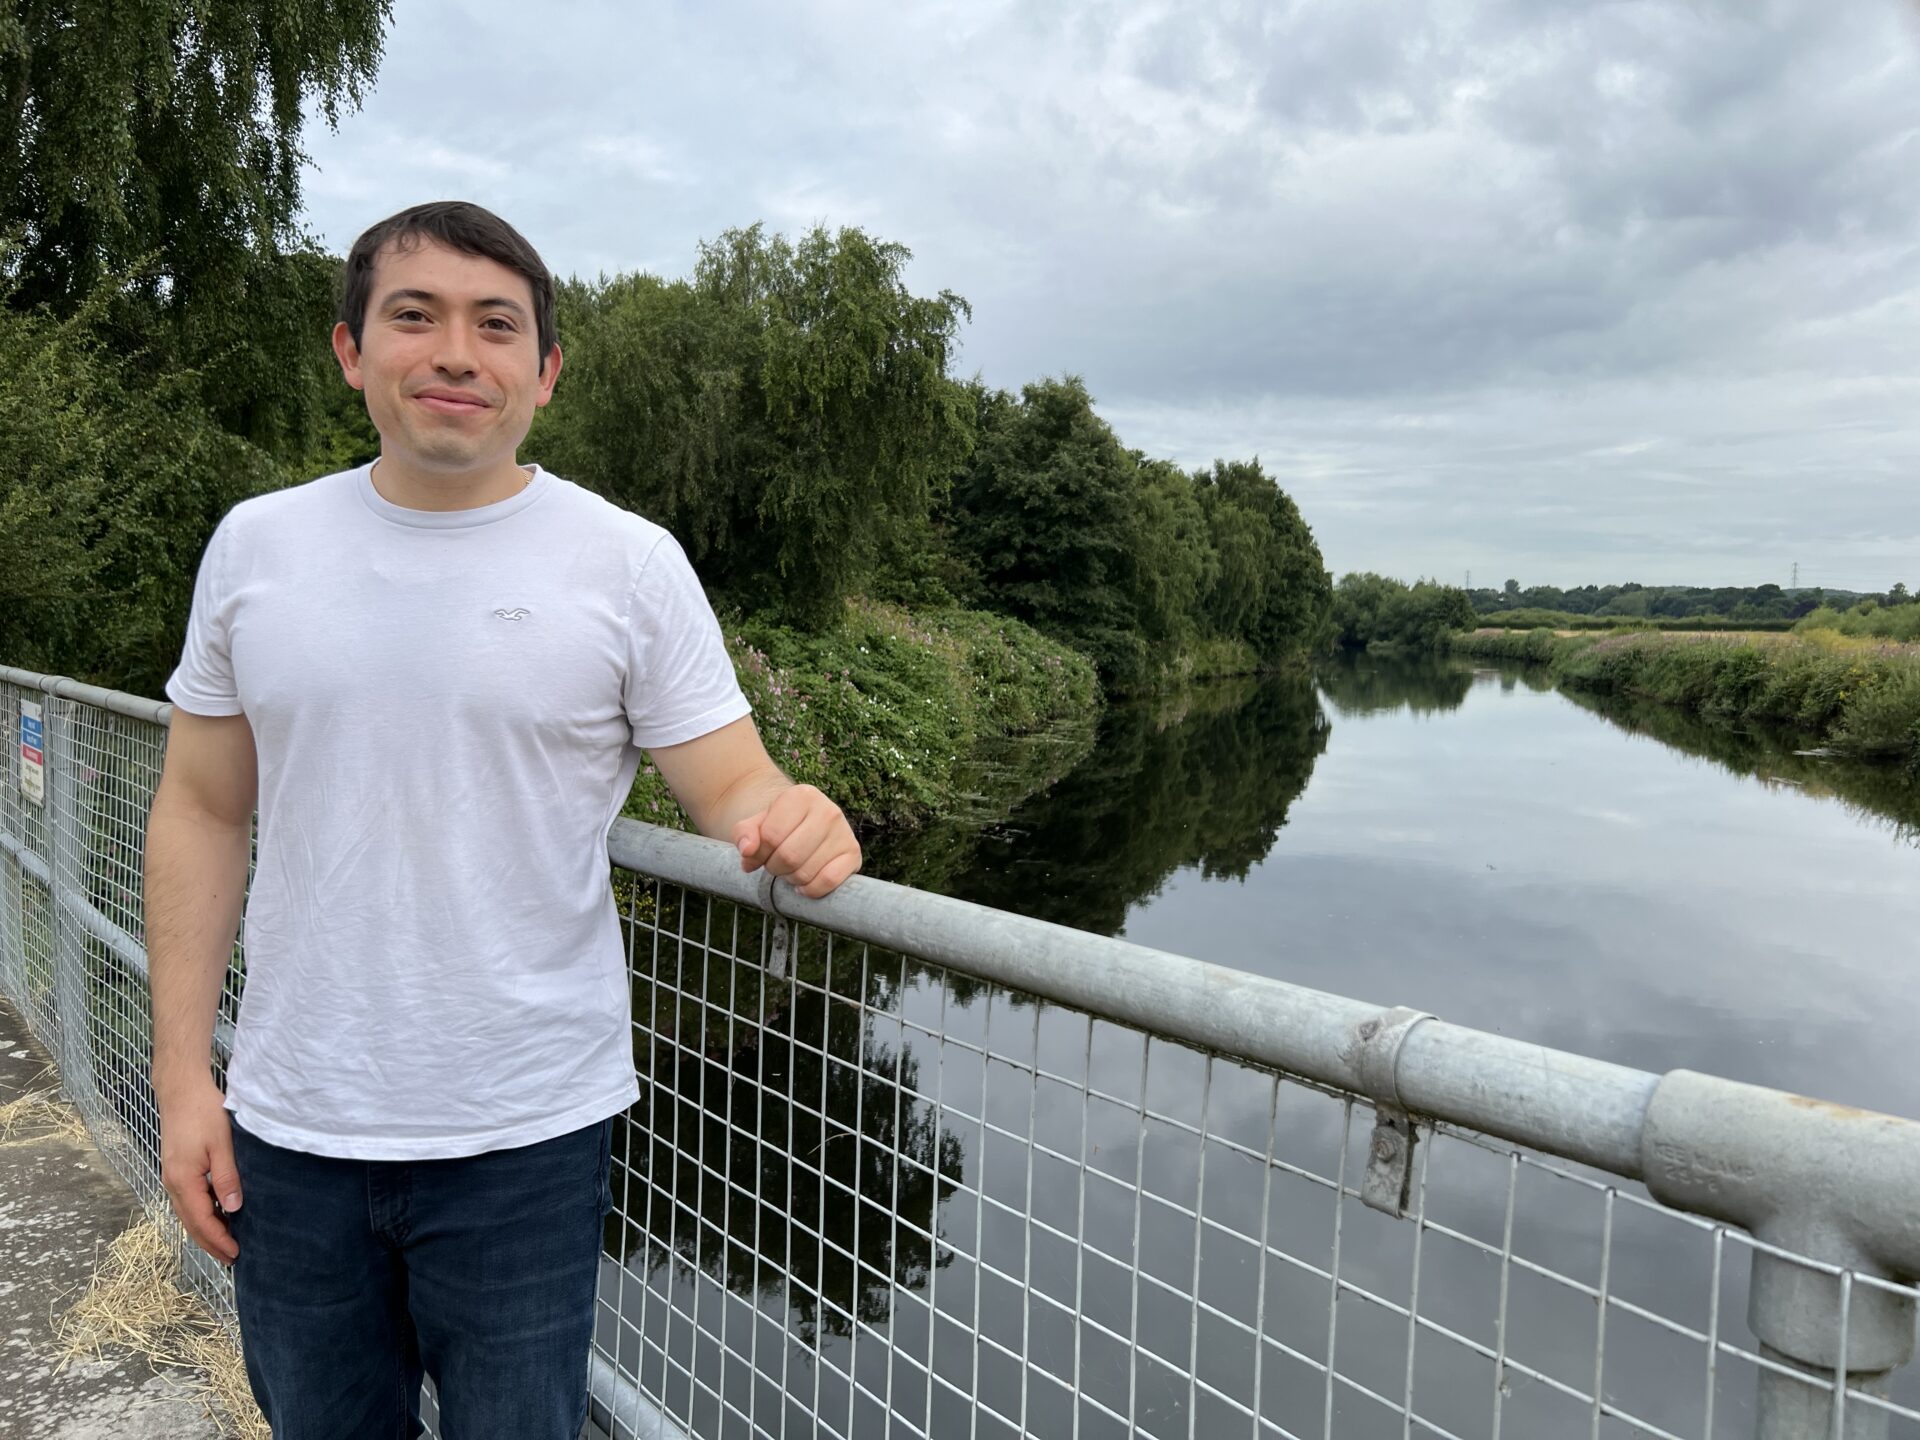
(60, 1207)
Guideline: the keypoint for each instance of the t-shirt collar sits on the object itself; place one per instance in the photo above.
(450, 519)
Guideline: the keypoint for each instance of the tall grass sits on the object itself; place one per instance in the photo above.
(1565, 620)
(882, 711)
(1867, 621)
(1859, 697)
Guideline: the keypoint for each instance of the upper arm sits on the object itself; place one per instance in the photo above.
(701, 771)
(211, 766)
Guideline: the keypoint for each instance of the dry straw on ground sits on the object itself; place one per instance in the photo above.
(135, 1299)
(36, 1116)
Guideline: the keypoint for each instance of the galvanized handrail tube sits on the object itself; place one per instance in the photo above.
(135, 707)
(1580, 1108)
(1838, 1186)
(1826, 1181)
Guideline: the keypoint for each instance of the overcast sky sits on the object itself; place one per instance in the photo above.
(1563, 291)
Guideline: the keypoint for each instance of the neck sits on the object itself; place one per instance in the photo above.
(413, 489)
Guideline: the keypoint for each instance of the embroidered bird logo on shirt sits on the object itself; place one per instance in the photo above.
(517, 613)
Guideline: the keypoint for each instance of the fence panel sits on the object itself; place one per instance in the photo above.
(869, 1191)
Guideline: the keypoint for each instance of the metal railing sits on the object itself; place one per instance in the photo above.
(904, 1166)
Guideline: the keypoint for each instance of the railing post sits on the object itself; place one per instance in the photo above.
(1806, 1320)
(1816, 1180)
(68, 874)
(13, 947)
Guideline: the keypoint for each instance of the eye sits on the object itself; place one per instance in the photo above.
(409, 316)
(506, 326)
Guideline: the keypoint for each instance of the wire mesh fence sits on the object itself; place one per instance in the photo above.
(863, 1195)
(866, 1194)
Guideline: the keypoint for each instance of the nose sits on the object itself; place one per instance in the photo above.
(453, 351)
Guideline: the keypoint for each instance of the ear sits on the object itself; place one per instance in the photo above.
(348, 354)
(549, 373)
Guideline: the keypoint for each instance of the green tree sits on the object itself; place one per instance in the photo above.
(1290, 616)
(110, 485)
(151, 154)
(1371, 609)
(1174, 561)
(1045, 513)
(784, 413)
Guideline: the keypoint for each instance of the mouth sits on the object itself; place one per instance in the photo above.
(452, 402)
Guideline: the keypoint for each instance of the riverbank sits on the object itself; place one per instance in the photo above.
(884, 711)
(1859, 698)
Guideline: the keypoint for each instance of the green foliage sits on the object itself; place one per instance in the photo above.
(1536, 647)
(1287, 601)
(1859, 698)
(150, 172)
(1529, 619)
(1726, 606)
(110, 484)
(787, 413)
(1126, 558)
(882, 711)
(1041, 512)
(1371, 609)
(1896, 622)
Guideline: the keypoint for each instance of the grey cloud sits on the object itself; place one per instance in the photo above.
(1441, 265)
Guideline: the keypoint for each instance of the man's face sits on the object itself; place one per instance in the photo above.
(449, 359)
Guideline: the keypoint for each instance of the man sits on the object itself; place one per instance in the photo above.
(435, 676)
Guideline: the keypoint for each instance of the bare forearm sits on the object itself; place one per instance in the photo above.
(196, 875)
(748, 796)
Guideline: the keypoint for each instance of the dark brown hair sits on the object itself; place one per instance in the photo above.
(459, 225)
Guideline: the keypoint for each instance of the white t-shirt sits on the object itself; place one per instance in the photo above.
(449, 709)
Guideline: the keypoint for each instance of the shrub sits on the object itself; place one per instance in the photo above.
(879, 711)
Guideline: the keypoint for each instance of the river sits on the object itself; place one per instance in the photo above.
(1615, 880)
(1622, 881)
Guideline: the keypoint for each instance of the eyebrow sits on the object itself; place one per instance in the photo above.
(491, 302)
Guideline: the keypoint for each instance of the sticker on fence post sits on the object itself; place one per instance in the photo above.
(33, 756)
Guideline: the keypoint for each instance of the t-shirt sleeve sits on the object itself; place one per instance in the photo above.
(680, 680)
(203, 683)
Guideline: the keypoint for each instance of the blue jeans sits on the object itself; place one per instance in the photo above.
(357, 1276)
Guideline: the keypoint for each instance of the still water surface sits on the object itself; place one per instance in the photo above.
(1615, 880)
(1624, 882)
(1618, 881)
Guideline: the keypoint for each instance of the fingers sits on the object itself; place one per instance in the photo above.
(193, 1203)
(802, 843)
(196, 1166)
(746, 839)
(831, 874)
(760, 837)
(223, 1176)
(802, 837)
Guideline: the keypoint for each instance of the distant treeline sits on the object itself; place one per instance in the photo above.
(1375, 610)
(1566, 620)
(1732, 603)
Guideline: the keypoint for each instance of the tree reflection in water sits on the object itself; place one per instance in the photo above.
(1885, 794)
(781, 1155)
(772, 1113)
(1425, 684)
(1203, 779)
